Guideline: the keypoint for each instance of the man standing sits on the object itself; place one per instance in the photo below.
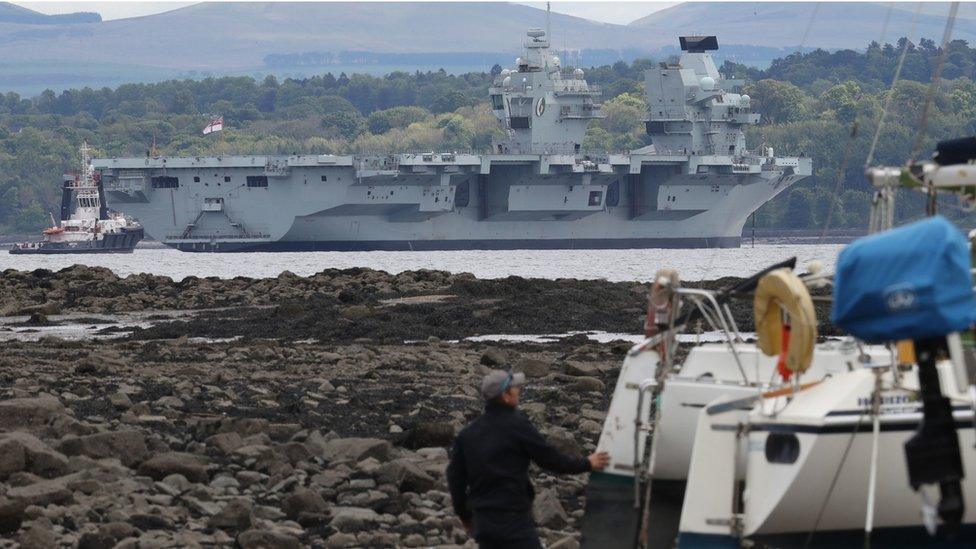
(489, 470)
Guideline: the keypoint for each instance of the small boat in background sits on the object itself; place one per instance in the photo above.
(90, 227)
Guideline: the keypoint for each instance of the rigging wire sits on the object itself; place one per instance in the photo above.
(833, 482)
(891, 90)
(806, 32)
(852, 136)
(936, 75)
(884, 26)
(799, 51)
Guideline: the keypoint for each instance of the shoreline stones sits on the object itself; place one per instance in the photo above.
(339, 440)
(254, 454)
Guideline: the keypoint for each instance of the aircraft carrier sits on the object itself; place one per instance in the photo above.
(695, 186)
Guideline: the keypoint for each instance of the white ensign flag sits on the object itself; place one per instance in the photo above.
(215, 125)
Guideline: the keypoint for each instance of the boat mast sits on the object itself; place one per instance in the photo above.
(548, 11)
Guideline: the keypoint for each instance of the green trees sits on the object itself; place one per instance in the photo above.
(397, 117)
(778, 102)
(623, 123)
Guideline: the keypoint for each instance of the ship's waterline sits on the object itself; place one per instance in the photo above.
(613, 265)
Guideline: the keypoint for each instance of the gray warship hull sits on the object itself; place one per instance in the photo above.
(694, 187)
(443, 202)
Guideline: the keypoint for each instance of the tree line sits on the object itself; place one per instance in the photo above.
(825, 105)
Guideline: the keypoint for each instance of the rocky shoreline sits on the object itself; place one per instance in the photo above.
(319, 425)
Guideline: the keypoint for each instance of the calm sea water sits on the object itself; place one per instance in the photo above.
(614, 265)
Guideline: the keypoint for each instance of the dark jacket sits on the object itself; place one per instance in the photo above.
(489, 469)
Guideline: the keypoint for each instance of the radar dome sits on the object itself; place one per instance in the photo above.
(707, 83)
(555, 60)
(578, 73)
(745, 100)
(505, 72)
(519, 61)
(507, 81)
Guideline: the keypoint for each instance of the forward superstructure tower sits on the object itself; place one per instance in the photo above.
(541, 108)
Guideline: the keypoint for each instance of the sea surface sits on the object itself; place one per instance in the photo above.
(613, 265)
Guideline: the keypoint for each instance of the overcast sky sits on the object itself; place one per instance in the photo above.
(608, 12)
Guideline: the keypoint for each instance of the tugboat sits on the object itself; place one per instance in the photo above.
(90, 228)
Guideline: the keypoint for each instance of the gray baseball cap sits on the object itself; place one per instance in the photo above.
(498, 381)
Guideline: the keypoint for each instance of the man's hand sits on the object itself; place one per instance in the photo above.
(598, 461)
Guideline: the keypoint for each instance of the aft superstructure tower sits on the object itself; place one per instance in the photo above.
(691, 110)
(542, 109)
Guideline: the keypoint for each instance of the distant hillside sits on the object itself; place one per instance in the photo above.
(229, 36)
(11, 13)
(836, 25)
(305, 38)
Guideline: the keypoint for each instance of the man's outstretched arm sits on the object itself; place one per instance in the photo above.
(547, 457)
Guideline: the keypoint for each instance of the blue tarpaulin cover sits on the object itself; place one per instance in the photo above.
(912, 282)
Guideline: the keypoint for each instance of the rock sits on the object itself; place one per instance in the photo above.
(353, 519)
(47, 308)
(414, 540)
(146, 521)
(330, 478)
(590, 427)
(13, 458)
(341, 540)
(535, 410)
(38, 457)
(202, 507)
(120, 401)
(283, 431)
(169, 402)
(11, 515)
(428, 434)
(129, 446)
(576, 368)
(267, 539)
(493, 357)
(547, 510)
(356, 449)
(244, 426)
(176, 482)
(235, 516)
(223, 481)
(107, 535)
(225, 443)
(563, 441)
(41, 494)
(28, 413)
(189, 465)
(565, 543)
(585, 384)
(533, 367)
(301, 501)
(88, 367)
(38, 319)
(406, 476)
(295, 452)
(38, 536)
(356, 312)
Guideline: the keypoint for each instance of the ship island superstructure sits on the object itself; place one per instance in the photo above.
(538, 187)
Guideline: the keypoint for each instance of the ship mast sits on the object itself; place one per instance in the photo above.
(548, 11)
